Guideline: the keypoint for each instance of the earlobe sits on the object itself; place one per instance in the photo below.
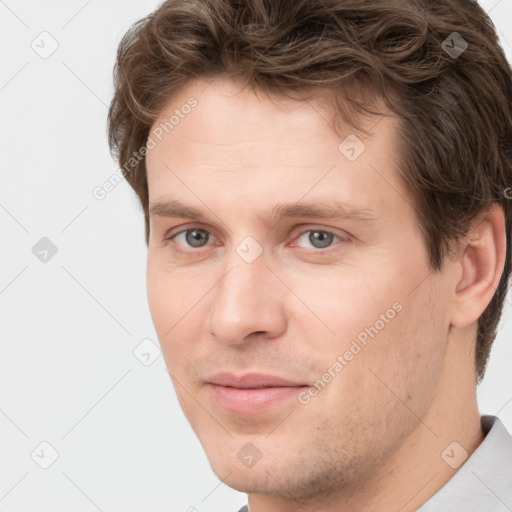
(481, 263)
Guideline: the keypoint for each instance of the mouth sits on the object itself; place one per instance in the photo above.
(253, 400)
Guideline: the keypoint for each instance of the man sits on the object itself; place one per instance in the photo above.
(324, 185)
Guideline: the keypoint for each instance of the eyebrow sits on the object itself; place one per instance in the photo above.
(334, 210)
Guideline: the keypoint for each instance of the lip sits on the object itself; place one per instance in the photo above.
(252, 393)
(252, 380)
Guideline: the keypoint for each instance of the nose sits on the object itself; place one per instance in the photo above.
(247, 301)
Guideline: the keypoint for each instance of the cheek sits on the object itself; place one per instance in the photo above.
(170, 294)
(401, 366)
(168, 306)
(343, 305)
(385, 335)
(160, 296)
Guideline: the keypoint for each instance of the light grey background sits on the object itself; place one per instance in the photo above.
(70, 325)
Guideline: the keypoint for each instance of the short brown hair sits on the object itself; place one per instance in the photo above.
(454, 101)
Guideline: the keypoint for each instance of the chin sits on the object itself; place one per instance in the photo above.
(247, 481)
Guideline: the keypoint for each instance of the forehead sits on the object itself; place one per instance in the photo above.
(226, 112)
(240, 144)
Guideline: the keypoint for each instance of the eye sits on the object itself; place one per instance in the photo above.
(319, 238)
(193, 237)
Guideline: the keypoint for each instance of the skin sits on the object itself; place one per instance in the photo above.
(373, 436)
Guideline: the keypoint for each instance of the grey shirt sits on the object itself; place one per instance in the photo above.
(483, 483)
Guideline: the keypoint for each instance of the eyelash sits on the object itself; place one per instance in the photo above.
(198, 228)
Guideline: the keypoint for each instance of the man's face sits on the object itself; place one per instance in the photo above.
(346, 302)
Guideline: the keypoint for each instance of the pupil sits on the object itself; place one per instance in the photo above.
(195, 239)
(320, 236)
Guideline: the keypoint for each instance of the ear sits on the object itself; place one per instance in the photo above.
(481, 266)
